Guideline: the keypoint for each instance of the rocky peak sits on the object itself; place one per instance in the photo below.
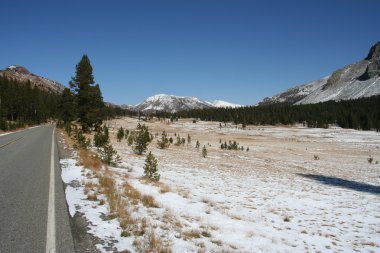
(374, 52)
(373, 68)
(19, 69)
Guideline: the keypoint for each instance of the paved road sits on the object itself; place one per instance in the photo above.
(25, 165)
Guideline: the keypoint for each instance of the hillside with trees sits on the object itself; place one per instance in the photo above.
(23, 103)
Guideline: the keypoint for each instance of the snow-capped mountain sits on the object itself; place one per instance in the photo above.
(361, 79)
(224, 104)
(171, 103)
(21, 74)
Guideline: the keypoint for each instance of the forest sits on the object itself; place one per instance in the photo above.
(363, 113)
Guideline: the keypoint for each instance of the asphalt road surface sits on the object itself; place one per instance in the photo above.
(33, 210)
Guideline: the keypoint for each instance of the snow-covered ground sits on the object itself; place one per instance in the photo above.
(295, 190)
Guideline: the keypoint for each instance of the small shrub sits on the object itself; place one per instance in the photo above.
(197, 144)
(188, 139)
(316, 157)
(370, 159)
(125, 234)
(206, 234)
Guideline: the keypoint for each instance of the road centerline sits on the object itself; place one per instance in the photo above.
(50, 233)
(12, 141)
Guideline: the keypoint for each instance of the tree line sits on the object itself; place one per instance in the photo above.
(363, 113)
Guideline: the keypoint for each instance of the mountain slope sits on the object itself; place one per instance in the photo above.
(294, 94)
(21, 74)
(361, 79)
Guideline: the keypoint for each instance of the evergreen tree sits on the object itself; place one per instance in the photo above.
(120, 134)
(89, 100)
(141, 139)
(150, 167)
(164, 141)
(197, 144)
(101, 137)
(66, 106)
(204, 152)
(108, 155)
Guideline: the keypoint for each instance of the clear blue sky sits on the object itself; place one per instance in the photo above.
(238, 51)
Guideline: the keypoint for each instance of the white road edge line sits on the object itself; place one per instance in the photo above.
(50, 235)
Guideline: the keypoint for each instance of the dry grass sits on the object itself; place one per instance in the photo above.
(131, 192)
(151, 244)
(108, 186)
(149, 201)
(92, 197)
(156, 245)
(188, 235)
(164, 188)
(89, 160)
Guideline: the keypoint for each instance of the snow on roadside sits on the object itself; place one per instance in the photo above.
(108, 231)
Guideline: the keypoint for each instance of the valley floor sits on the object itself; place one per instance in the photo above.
(295, 190)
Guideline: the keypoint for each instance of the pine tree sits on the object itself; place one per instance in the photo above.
(141, 139)
(178, 141)
(164, 141)
(101, 137)
(197, 144)
(120, 134)
(66, 106)
(150, 167)
(188, 139)
(89, 99)
(108, 155)
(204, 152)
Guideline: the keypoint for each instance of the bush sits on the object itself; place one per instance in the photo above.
(150, 167)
